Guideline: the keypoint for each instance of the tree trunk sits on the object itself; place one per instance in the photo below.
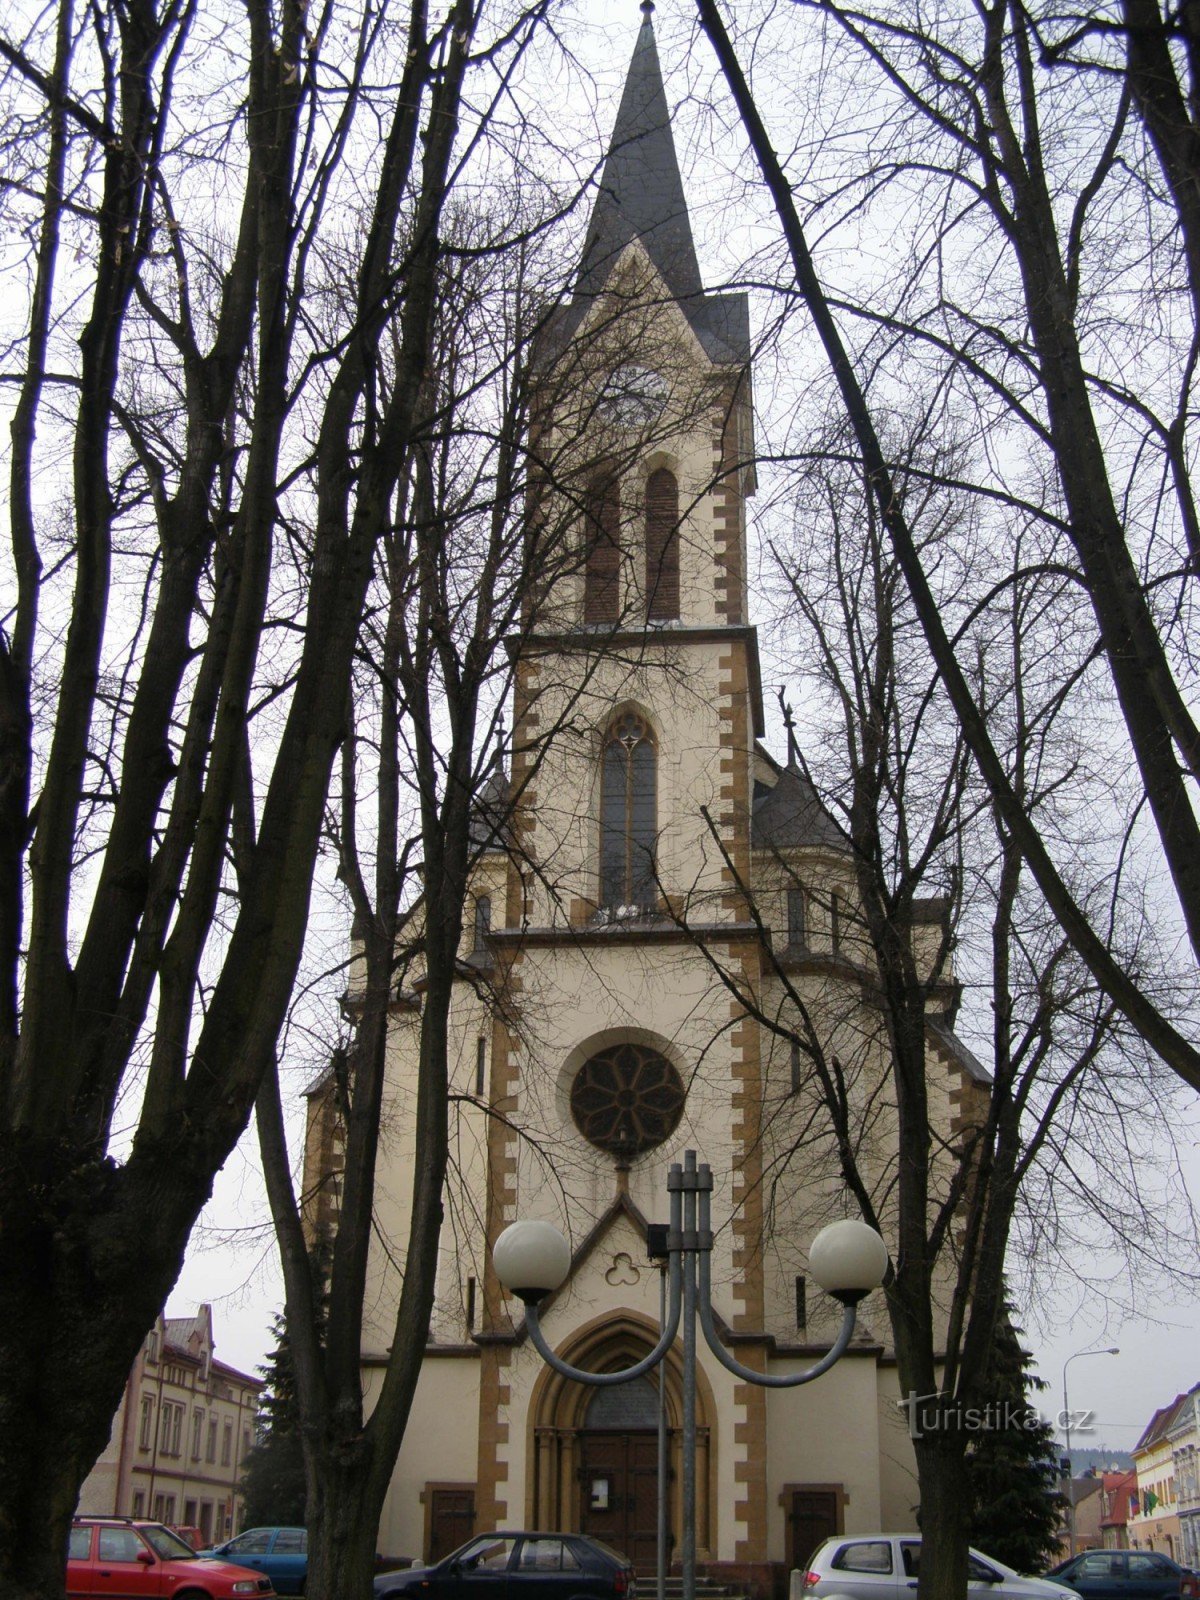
(83, 1274)
(343, 1527)
(945, 1513)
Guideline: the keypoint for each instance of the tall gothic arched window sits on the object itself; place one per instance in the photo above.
(662, 546)
(602, 551)
(628, 813)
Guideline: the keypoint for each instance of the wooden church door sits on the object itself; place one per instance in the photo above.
(619, 1470)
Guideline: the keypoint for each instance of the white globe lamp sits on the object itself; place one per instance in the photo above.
(531, 1259)
(848, 1260)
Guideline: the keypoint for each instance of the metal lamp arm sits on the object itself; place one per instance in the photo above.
(766, 1380)
(639, 1368)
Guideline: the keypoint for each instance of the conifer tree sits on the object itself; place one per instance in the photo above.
(272, 1483)
(1012, 1465)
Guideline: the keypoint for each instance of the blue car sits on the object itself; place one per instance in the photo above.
(280, 1553)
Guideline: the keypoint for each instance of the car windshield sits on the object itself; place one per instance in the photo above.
(166, 1544)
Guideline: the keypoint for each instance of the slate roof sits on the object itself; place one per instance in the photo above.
(1156, 1429)
(489, 813)
(641, 191)
(791, 815)
(944, 1035)
(641, 197)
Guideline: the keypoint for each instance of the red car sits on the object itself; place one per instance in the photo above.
(127, 1559)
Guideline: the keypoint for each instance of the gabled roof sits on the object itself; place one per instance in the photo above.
(188, 1336)
(641, 191)
(1156, 1429)
(641, 197)
(790, 815)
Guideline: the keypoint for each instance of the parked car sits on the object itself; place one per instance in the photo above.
(518, 1566)
(282, 1553)
(884, 1566)
(129, 1558)
(1126, 1575)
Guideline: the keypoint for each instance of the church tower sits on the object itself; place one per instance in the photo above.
(624, 1009)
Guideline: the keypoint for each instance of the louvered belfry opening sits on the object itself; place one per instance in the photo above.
(602, 550)
(662, 546)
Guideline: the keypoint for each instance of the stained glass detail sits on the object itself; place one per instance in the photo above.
(627, 1099)
(628, 815)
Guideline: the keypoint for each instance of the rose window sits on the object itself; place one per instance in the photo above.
(627, 1099)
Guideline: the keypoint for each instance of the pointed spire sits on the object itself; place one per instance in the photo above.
(641, 191)
(789, 722)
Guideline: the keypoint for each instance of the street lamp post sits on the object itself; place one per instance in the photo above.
(847, 1259)
(1110, 1351)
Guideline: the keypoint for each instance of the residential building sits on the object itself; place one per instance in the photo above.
(617, 1044)
(1117, 1493)
(1184, 1434)
(1085, 1494)
(180, 1436)
(1155, 1522)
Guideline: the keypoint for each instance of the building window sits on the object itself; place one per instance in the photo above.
(801, 1304)
(628, 813)
(189, 1513)
(470, 1305)
(170, 1429)
(227, 1445)
(211, 1453)
(662, 546)
(483, 925)
(139, 1504)
(627, 1099)
(602, 551)
(197, 1434)
(835, 922)
(480, 1067)
(797, 916)
(146, 1436)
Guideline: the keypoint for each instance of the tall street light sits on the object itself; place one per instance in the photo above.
(847, 1259)
(1110, 1351)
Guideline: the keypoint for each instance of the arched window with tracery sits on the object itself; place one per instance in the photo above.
(628, 813)
(662, 546)
(602, 551)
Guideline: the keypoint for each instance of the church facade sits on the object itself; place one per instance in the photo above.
(663, 897)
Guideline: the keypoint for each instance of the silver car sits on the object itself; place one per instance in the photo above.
(884, 1566)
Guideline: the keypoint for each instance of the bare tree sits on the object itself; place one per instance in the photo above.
(879, 1094)
(1067, 224)
(202, 473)
(499, 514)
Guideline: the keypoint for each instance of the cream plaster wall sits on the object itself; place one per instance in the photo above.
(571, 993)
(678, 687)
(440, 1446)
(636, 321)
(899, 1494)
(826, 1432)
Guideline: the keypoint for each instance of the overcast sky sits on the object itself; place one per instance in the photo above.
(232, 1262)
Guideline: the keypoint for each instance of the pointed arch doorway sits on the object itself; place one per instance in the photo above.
(618, 1471)
(595, 1451)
